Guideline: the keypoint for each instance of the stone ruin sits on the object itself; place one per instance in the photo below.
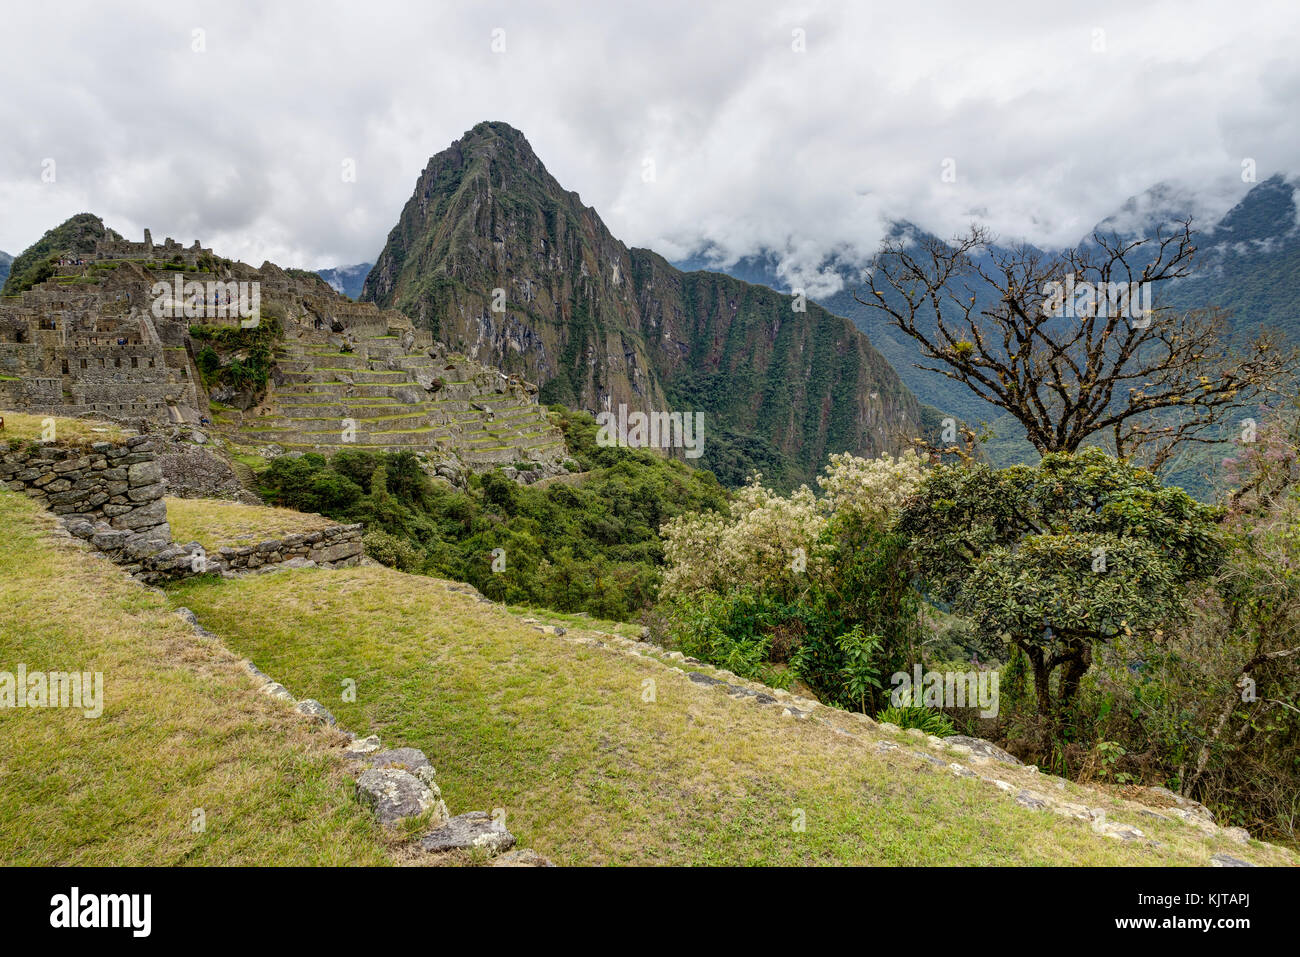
(85, 342)
(92, 342)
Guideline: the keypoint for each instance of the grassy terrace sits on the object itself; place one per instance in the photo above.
(215, 524)
(182, 728)
(559, 736)
(19, 426)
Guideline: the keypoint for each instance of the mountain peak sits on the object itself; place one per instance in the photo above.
(495, 129)
(491, 140)
(1267, 211)
(502, 263)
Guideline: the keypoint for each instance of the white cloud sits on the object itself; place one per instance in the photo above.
(755, 145)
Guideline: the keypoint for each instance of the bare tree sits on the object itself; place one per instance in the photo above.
(1071, 366)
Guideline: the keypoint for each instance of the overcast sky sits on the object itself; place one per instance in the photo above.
(795, 127)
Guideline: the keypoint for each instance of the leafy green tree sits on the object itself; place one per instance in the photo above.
(1061, 556)
(590, 547)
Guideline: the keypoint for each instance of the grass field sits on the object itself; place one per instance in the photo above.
(182, 728)
(596, 756)
(561, 737)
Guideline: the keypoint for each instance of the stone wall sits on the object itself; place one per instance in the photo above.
(335, 546)
(111, 495)
(116, 485)
(156, 562)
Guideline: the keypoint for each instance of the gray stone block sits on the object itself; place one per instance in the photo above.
(394, 794)
(467, 831)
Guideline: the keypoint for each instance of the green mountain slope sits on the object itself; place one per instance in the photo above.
(500, 262)
(76, 236)
(1248, 261)
(5, 261)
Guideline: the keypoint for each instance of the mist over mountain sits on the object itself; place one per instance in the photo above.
(5, 261)
(501, 262)
(349, 280)
(1247, 261)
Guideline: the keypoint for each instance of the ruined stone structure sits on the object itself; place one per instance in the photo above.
(102, 339)
(110, 494)
(85, 343)
(169, 251)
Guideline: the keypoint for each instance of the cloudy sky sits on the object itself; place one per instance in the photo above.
(793, 127)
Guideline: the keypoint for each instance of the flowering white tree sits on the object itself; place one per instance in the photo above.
(770, 540)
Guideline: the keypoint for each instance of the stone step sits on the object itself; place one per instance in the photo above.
(335, 373)
(343, 391)
(305, 413)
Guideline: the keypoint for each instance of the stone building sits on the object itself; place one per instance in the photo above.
(84, 342)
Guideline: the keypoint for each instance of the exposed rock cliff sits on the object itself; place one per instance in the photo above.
(499, 261)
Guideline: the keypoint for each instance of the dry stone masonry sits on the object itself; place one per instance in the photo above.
(111, 495)
(116, 488)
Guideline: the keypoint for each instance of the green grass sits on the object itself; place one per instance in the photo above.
(559, 736)
(257, 463)
(183, 727)
(214, 523)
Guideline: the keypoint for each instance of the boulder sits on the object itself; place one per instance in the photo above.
(1238, 834)
(985, 749)
(394, 794)
(466, 831)
(1226, 860)
(1192, 809)
(411, 760)
(521, 857)
(362, 747)
(277, 690)
(315, 710)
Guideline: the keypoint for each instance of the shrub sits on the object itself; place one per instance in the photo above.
(820, 581)
(592, 548)
(922, 719)
(393, 551)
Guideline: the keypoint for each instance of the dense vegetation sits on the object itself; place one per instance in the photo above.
(801, 587)
(236, 357)
(1139, 636)
(592, 546)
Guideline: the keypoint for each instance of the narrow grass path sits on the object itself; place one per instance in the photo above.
(182, 729)
(598, 757)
